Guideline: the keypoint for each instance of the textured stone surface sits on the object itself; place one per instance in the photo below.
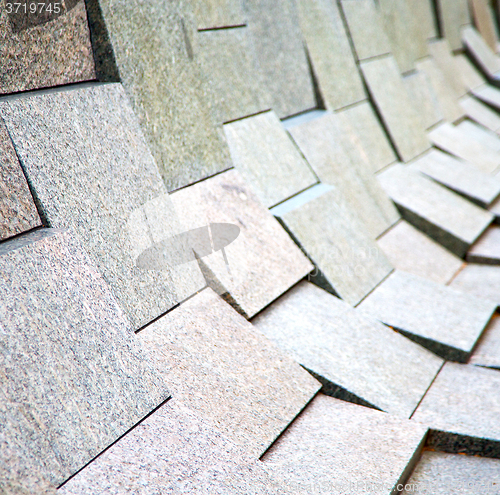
(348, 262)
(357, 358)
(479, 133)
(481, 53)
(92, 171)
(282, 57)
(481, 113)
(267, 159)
(401, 119)
(462, 407)
(227, 371)
(330, 53)
(479, 280)
(218, 13)
(263, 252)
(483, 17)
(470, 75)
(410, 250)
(423, 10)
(446, 321)
(488, 95)
(335, 447)
(448, 64)
(443, 215)
(487, 352)
(44, 50)
(71, 365)
(453, 15)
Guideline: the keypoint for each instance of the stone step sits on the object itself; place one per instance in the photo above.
(481, 113)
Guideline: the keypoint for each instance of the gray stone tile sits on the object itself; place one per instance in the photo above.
(45, 49)
(481, 113)
(92, 172)
(481, 53)
(479, 280)
(487, 351)
(445, 216)
(158, 65)
(227, 371)
(330, 53)
(263, 252)
(453, 15)
(267, 159)
(488, 95)
(446, 321)
(335, 447)
(330, 145)
(357, 359)
(423, 10)
(462, 409)
(479, 133)
(471, 77)
(403, 122)
(482, 14)
(412, 251)
(71, 364)
(348, 261)
(233, 73)
(218, 13)
(280, 49)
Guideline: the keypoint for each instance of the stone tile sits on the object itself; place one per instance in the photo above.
(481, 53)
(483, 16)
(471, 77)
(45, 49)
(453, 15)
(158, 65)
(401, 119)
(280, 49)
(459, 176)
(479, 280)
(457, 142)
(487, 351)
(462, 409)
(446, 321)
(227, 371)
(445, 216)
(233, 73)
(92, 172)
(218, 13)
(479, 133)
(356, 358)
(449, 65)
(330, 54)
(335, 447)
(423, 10)
(267, 158)
(330, 145)
(488, 95)
(263, 252)
(481, 113)
(302, 118)
(71, 365)
(348, 261)
(410, 250)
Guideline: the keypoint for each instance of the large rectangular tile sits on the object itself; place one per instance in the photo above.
(481, 53)
(94, 173)
(483, 16)
(424, 10)
(480, 281)
(453, 15)
(211, 14)
(449, 65)
(481, 113)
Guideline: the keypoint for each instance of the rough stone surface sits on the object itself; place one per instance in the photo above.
(444, 320)
(482, 54)
(267, 158)
(479, 280)
(487, 352)
(462, 408)
(488, 95)
(448, 65)
(348, 262)
(334, 446)
(44, 50)
(479, 133)
(92, 172)
(471, 77)
(71, 365)
(453, 16)
(263, 252)
(227, 371)
(445, 216)
(483, 20)
(218, 13)
(352, 354)
(423, 10)
(401, 119)
(410, 250)
(481, 113)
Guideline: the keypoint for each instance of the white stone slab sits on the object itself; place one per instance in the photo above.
(487, 247)
(489, 95)
(481, 53)
(479, 133)
(481, 113)
(453, 15)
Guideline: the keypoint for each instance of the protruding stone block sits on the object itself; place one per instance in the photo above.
(481, 53)
(453, 16)
(479, 133)
(449, 65)
(481, 113)
(487, 248)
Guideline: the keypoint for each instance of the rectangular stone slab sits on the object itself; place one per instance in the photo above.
(453, 15)
(423, 10)
(489, 95)
(445, 216)
(70, 364)
(356, 358)
(487, 351)
(212, 14)
(263, 262)
(334, 446)
(487, 248)
(93, 172)
(449, 66)
(461, 408)
(479, 280)
(347, 260)
(484, 136)
(227, 371)
(267, 158)
(470, 75)
(402, 121)
(446, 321)
(481, 53)
(481, 113)
(483, 20)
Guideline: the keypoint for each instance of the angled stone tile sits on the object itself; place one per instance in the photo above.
(267, 159)
(453, 15)
(218, 13)
(480, 281)
(410, 250)
(470, 75)
(403, 122)
(481, 113)
(356, 358)
(71, 365)
(443, 215)
(262, 263)
(487, 351)
(479, 133)
(483, 17)
(446, 321)
(481, 53)
(487, 248)
(303, 118)
(423, 10)
(280, 49)
(49, 47)
(356, 447)
(330, 53)
(488, 95)
(93, 172)
(347, 260)
(462, 410)
(449, 65)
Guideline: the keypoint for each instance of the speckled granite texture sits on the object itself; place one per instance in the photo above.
(71, 367)
(487, 351)
(453, 16)
(212, 14)
(92, 171)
